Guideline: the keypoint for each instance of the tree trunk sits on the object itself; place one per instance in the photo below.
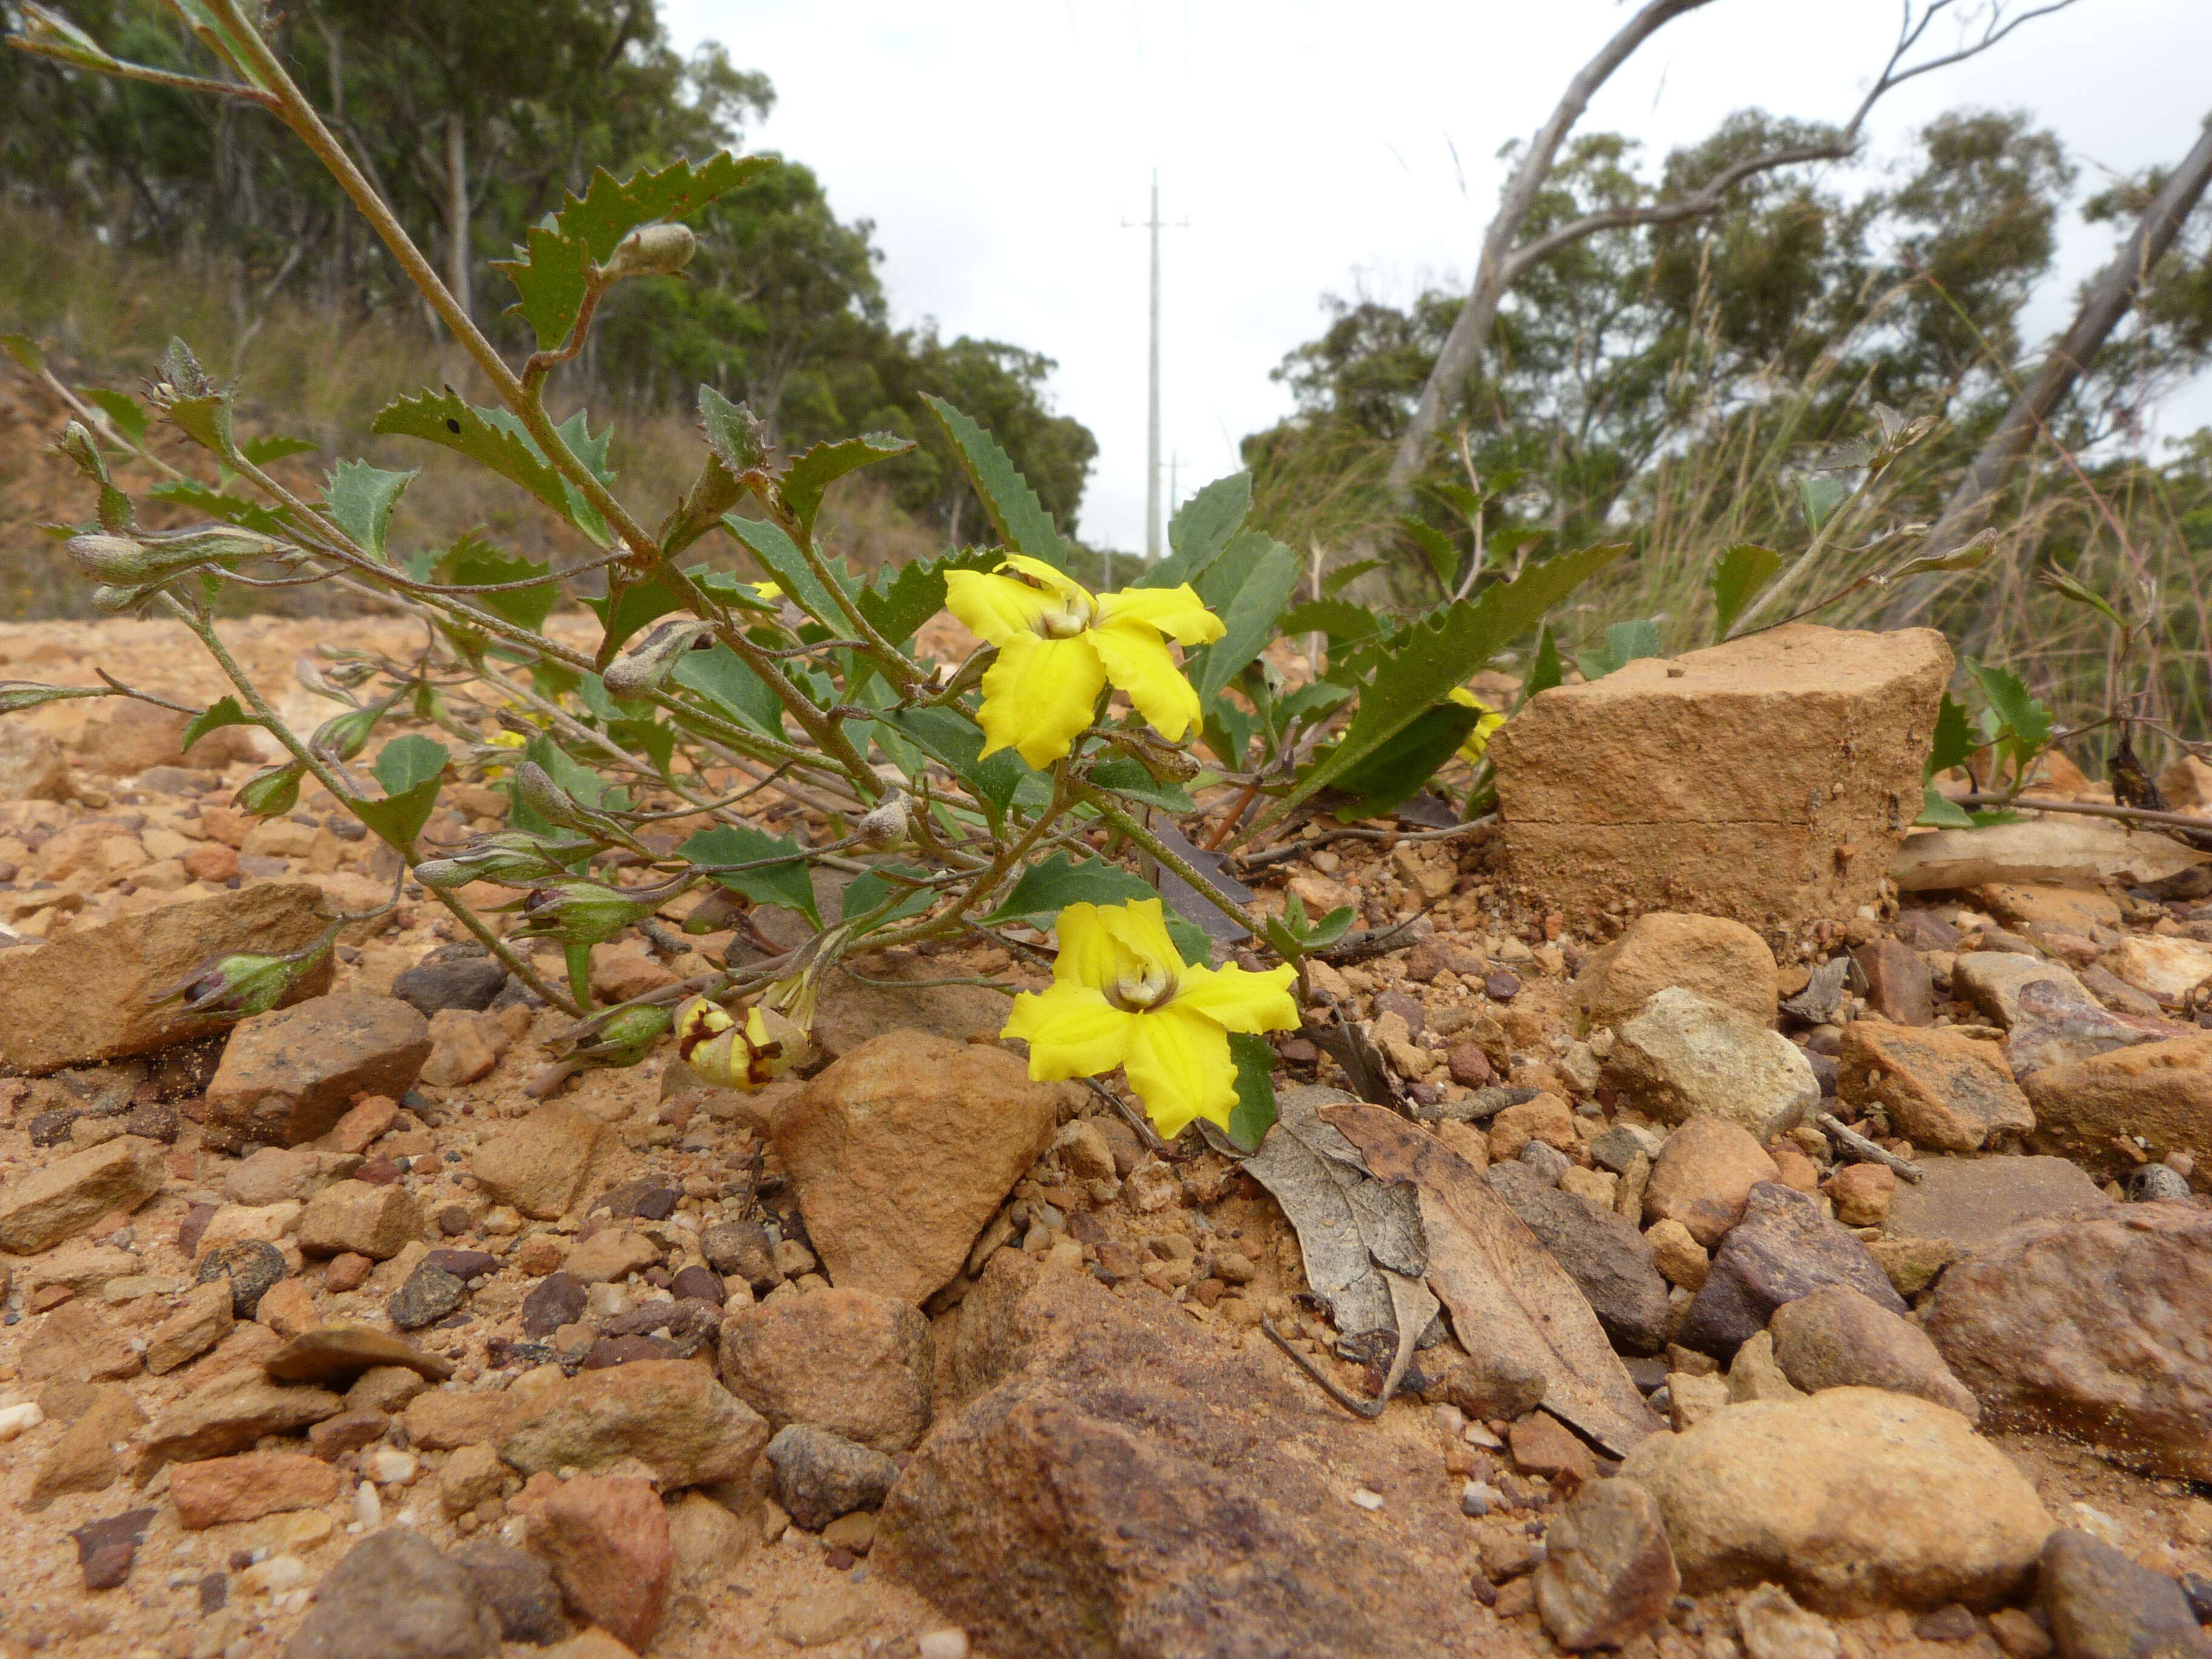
(2108, 301)
(457, 212)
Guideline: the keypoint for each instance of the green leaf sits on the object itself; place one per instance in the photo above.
(957, 743)
(1820, 495)
(869, 889)
(1439, 652)
(2022, 712)
(2059, 581)
(1624, 643)
(1345, 575)
(1254, 574)
(1738, 576)
(786, 884)
(1125, 776)
(1443, 551)
(1401, 766)
(1253, 1114)
(206, 421)
(472, 562)
(1200, 530)
(444, 418)
(781, 557)
(1191, 941)
(191, 492)
(1341, 619)
(552, 272)
(262, 451)
(737, 439)
(1546, 671)
(813, 473)
(902, 596)
(1944, 814)
(1047, 889)
(627, 609)
(360, 498)
(721, 676)
(1015, 511)
(25, 351)
(410, 768)
(129, 416)
(224, 711)
(1954, 739)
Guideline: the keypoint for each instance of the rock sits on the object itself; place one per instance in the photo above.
(556, 1300)
(1060, 1510)
(59, 1200)
(851, 1362)
(202, 1319)
(904, 1149)
(442, 1418)
(229, 1415)
(1836, 1337)
(356, 1216)
(541, 1164)
(611, 1256)
(464, 1048)
(385, 1388)
(1992, 980)
(343, 1354)
(31, 766)
(1753, 1373)
(2058, 1028)
(1862, 1194)
(819, 1619)
(1608, 1573)
(2165, 968)
(1775, 1627)
(2161, 1092)
(84, 1459)
(1608, 1260)
(1492, 1386)
(1721, 960)
(272, 1174)
(711, 1541)
(1968, 1202)
(451, 977)
(90, 994)
(2103, 1606)
(394, 1596)
(2092, 1327)
(817, 1476)
(1810, 744)
(250, 1266)
(671, 1415)
(517, 1587)
(1940, 1089)
(288, 1076)
(1545, 1121)
(607, 1539)
(1678, 1257)
(1899, 986)
(1782, 1250)
(350, 1430)
(218, 1490)
(1685, 1056)
(1542, 1445)
(1703, 1175)
(851, 1015)
(2029, 906)
(129, 737)
(106, 1549)
(1852, 1500)
(75, 1343)
(427, 1296)
(82, 1270)
(364, 1121)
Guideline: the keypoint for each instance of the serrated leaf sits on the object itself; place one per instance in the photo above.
(786, 884)
(552, 271)
(25, 352)
(1345, 575)
(444, 418)
(1047, 889)
(957, 743)
(1339, 619)
(1401, 766)
(1200, 530)
(217, 504)
(734, 436)
(2022, 712)
(360, 498)
(1249, 582)
(1738, 576)
(901, 598)
(721, 676)
(411, 768)
(1941, 814)
(1954, 739)
(129, 416)
(1439, 654)
(1253, 1114)
(781, 556)
(206, 421)
(224, 711)
(262, 451)
(1625, 643)
(1127, 777)
(813, 473)
(1546, 671)
(1015, 511)
(1443, 554)
(2060, 582)
(869, 889)
(472, 562)
(1820, 495)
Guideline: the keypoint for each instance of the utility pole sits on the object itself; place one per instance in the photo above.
(1152, 526)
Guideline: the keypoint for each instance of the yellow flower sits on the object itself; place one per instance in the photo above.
(1059, 644)
(1122, 995)
(748, 1057)
(1478, 739)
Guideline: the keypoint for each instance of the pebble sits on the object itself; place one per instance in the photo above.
(252, 1267)
(429, 1294)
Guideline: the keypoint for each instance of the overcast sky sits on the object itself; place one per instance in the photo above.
(998, 146)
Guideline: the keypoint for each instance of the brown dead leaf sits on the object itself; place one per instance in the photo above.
(1505, 1293)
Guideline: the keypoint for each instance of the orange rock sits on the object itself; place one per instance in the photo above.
(211, 861)
(607, 1539)
(248, 1486)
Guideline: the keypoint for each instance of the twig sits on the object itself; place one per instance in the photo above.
(1868, 1152)
(1370, 1409)
(2089, 809)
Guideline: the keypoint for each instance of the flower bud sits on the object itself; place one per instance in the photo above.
(579, 912)
(343, 736)
(53, 35)
(77, 444)
(271, 791)
(885, 825)
(16, 695)
(628, 1037)
(512, 858)
(644, 665)
(158, 556)
(241, 984)
(651, 251)
(745, 1056)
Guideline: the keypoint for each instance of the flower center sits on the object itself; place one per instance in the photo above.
(1073, 617)
(1138, 996)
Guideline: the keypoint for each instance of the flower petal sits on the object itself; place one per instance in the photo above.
(1039, 695)
(1088, 953)
(1056, 581)
(1177, 612)
(1137, 661)
(994, 608)
(1240, 999)
(1072, 1031)
(1141, 928)
(1178, 1063)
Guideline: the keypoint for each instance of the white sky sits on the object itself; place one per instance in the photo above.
(999, 144)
